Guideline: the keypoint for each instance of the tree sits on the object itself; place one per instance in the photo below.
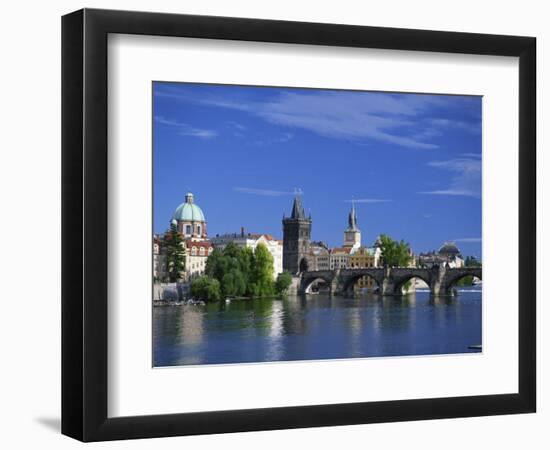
(175, 253)
(231, 267)
(283, 282)
(394, 253)
(233, 284)
(468, 280)
(241, 271)
(471, 261)
(261, 283)
(206, 288)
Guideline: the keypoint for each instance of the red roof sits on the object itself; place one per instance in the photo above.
(189, 243)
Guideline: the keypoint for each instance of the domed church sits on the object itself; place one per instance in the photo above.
(189, 219)
(190, 222)
(449, 250)
(448, 254)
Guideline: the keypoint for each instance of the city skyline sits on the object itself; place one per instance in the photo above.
(411, 162)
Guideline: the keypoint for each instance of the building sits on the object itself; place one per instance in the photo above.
(339, 257)
(191, 224)
(364, 257)
(377, 252)
(352, 234)
(319, 256)
(196, 254)
(359, 257)
(452, 254)
(448, 255)
(296, 239)
(252, 240)
(189, 219)
(159, 259)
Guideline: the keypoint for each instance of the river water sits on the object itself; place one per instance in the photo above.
(316, 327)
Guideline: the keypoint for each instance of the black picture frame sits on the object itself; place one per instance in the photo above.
(84, 224)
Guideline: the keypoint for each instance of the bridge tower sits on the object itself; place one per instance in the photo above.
(296, 238)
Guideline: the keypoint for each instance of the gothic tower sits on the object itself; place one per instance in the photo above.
(352, 235)
(296, 238)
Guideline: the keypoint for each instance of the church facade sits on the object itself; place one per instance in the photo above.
(190, 222)
(352, 235)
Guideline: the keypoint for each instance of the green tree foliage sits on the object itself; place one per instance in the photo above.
(206, 288)
(394, 253)
(471, 261)
(175, 253)
(241, 271)
(406, 286)
(261, 282)
(283, 282)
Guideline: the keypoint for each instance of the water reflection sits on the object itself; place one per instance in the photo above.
(316, 327)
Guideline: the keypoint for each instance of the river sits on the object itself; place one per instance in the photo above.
(316, 327)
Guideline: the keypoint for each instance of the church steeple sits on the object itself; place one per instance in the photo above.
(352, 235)
(352, 218)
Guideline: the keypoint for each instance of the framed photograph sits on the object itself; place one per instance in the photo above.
(272, 224)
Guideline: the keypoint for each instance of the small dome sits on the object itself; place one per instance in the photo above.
(449, 248)
(188, 211)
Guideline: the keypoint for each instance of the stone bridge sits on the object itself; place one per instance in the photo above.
(390, 280)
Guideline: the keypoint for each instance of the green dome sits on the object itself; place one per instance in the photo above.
(188, 211)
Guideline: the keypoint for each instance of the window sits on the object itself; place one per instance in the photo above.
(201, 251)
(194, 251)
(187, 229)
(198, 230)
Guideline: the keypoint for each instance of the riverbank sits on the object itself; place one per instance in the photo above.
(192, 301)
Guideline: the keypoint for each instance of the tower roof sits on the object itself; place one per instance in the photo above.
(352, 219)
(298, 209)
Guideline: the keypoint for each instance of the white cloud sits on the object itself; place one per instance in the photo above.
(278, 140)
(345, 115)
(184, 129)
(236, 125)
(369, 200)
(466, 182)
(471, 155)
(470, 127)
(264, 192)
(348, 115)
(471, 239)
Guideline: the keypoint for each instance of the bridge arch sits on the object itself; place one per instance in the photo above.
(308, 278)
(351, 280)
(454, 276)
(400, 282)
(400, 276)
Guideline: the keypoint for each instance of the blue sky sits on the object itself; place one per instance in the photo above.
(411, 162)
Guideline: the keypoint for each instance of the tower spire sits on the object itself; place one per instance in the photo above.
(297, 207)
(352, 235)
(352, 217)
